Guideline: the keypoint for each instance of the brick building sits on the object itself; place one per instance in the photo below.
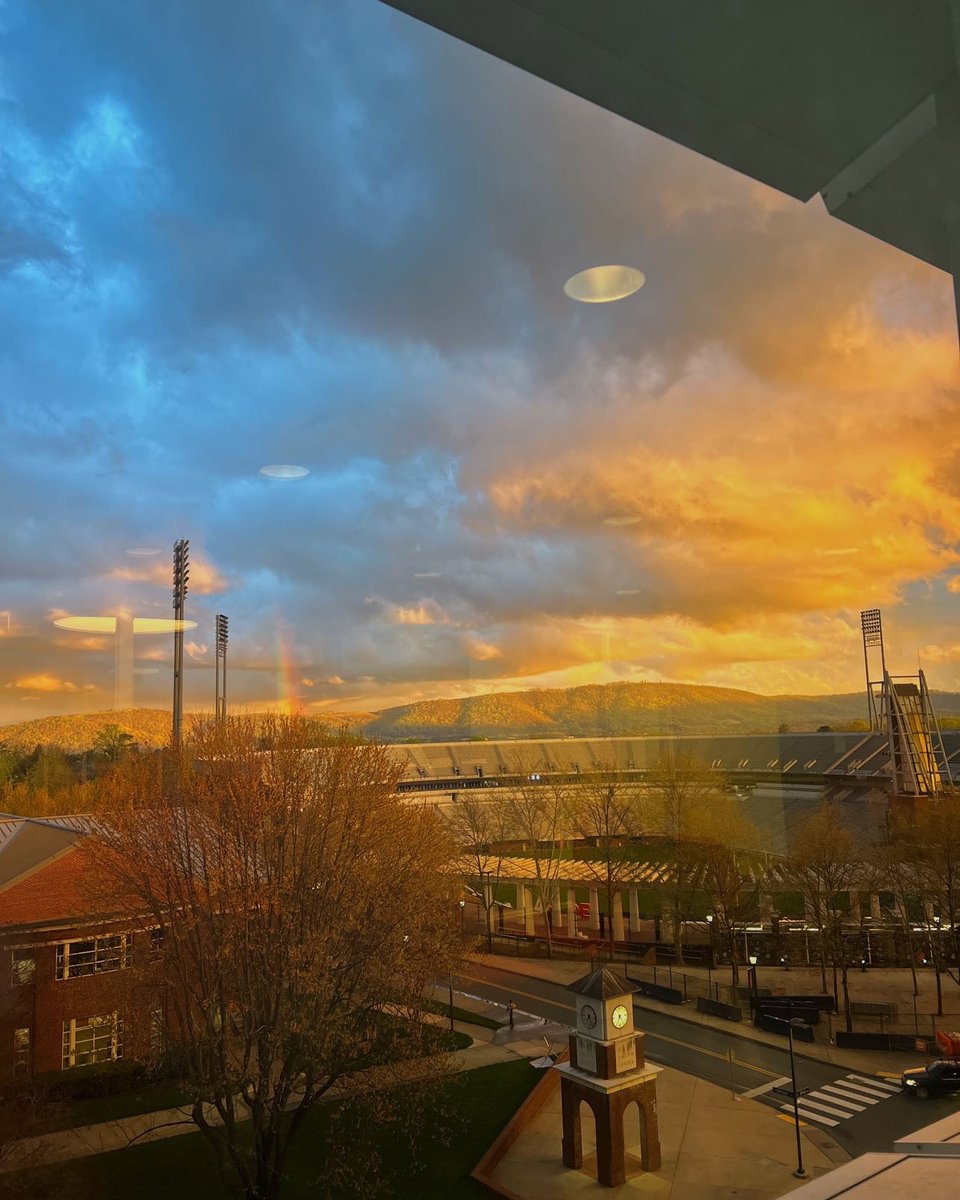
(77, 986)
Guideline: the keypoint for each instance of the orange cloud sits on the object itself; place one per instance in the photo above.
(427, 612)
(205, 579)
(43, 683)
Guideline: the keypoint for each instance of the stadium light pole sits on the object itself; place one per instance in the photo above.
(221, 667)
(181, 575)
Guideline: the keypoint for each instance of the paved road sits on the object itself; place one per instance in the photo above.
(860, 1111)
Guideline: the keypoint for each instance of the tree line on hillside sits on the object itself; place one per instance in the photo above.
(48, 780)
(686, 816)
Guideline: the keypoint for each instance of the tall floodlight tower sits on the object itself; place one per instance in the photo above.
(221, 663)
(181, 573)
(873, 658)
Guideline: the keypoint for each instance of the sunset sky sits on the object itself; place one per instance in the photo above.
(320, 233)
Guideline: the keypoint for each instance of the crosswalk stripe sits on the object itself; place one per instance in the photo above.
(763, 1088)
(831, 1112)
(827, 1094)
(809, 1115)
(857, 1089)
(862, 1096)
(880, 1084)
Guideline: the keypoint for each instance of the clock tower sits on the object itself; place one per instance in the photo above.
(608, 1071)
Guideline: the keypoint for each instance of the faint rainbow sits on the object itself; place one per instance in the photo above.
(287, 692)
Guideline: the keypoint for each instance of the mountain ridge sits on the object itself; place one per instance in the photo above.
(588, 710)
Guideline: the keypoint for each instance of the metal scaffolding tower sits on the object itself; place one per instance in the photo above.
(900, 708)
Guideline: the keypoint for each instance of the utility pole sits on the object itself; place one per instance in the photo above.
(181, 574)
(221, 668)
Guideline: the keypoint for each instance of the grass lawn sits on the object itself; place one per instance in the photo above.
(146, 1098)
(482, 1101)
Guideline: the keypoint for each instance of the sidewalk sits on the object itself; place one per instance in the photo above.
(88, 1140)
(565, 973)
(714, 1147)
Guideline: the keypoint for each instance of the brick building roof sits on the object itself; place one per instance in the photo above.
(43, 880)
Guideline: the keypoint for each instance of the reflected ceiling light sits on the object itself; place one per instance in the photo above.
(143, 552)
(427, 574)
(623, 519)
(109, 624)
(284, 471)
(160, 625)
(601, 285)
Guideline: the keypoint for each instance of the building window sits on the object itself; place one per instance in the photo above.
(92, 956)
(156, 943)
(22, 967)
(21, 1052)
(92, 1040)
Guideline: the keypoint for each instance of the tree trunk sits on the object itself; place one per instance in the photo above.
(844, 972)
(677, 933)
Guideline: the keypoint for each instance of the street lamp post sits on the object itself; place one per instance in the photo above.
(800, 1173)
(710, 959)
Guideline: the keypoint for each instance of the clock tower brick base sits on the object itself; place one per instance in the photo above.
(608, 1111)
(607, 1069)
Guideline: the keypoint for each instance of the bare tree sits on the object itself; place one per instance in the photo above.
(682, 789)
(937, 833)
(732, 875)
(826, 863)
(301, 911)
(538, 812)
(479, 827)
(893, 864)
(608, 812)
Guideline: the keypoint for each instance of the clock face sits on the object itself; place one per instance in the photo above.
(588, 1015)
(619, 1016)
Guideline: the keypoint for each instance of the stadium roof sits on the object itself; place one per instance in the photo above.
(858, 101)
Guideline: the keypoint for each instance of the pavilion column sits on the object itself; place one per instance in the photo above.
(855, 913)
(571, 912)
(529, 912)
(618, 931)
(634, 910)
(874, 906)
(594, 921)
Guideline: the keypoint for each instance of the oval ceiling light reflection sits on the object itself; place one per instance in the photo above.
(143, 552)
(623, 519)
(109, 624)
(284, 471)
(602, 285)
(87, 624)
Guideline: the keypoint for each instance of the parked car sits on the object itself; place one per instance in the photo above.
(940, 1078)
